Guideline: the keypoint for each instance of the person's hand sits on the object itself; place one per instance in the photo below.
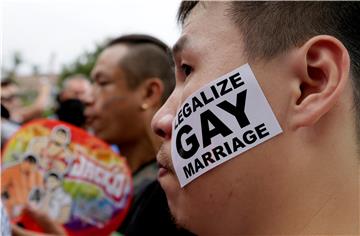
(49, 226)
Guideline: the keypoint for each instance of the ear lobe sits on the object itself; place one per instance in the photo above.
(326, 73)
(153, 90)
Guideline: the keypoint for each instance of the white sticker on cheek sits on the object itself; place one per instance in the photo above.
(218, 122)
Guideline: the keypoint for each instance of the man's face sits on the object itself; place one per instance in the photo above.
(212, 46)
(77, 89)
(115, 113)
(10, 96)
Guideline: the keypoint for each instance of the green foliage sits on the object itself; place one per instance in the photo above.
(17, 60)
(35, 70)
(10, 73)
(82, 65)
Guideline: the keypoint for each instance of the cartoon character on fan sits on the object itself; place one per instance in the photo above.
(18, 181)
(53, 151)
(52, 198)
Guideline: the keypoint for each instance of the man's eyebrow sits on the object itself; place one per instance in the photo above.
(94, 76)
(179, 45)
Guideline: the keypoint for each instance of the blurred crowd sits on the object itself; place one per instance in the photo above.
(69, 103)
(116, 105)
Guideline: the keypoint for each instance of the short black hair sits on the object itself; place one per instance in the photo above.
(140, 39)
(149, 57)
(185, 9)
(6, 82)
(4, 112)
(61, 130)
(30, 158)
(52, 174)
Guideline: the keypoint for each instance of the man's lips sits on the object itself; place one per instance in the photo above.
(163, 162)
(89, 122)
(162, 171)
(164, 167)
(89, 119)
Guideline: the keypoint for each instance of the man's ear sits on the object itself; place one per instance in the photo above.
(324, 70)
(152, 91)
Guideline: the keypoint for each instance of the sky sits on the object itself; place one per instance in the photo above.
(61, 30)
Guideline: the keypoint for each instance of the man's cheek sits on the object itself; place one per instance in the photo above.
(102, 104)
(223, 119)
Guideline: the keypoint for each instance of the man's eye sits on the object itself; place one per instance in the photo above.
(103, 83)
(186, 69)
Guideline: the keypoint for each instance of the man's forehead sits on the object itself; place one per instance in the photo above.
(206, 22)
(109, 58)
(203, 9)
(74, 83)
(113, 53)
(180, 44)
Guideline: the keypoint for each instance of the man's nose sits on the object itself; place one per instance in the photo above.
(89, 102)
(162, 125)
(88, 98)
(162, 121)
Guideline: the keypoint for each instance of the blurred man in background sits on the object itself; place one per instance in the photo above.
(133, 76)
(71, 100)
(14, 113)
(10, 98)
(75, 87)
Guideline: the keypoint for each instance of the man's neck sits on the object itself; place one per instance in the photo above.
(327, 201)
(338, 212)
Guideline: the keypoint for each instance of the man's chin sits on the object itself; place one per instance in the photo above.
(180, 226)
(179, 216)
(102, 134)
(171, 187)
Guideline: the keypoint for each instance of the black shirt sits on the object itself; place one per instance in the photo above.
(150, 215)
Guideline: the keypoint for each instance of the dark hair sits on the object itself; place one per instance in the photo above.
(52, 174)
(148, 57)
(71, 111)
(282, 25)
(30, 158)
(61, 130)
(185, 9)
(6, 82)
(4, 112)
